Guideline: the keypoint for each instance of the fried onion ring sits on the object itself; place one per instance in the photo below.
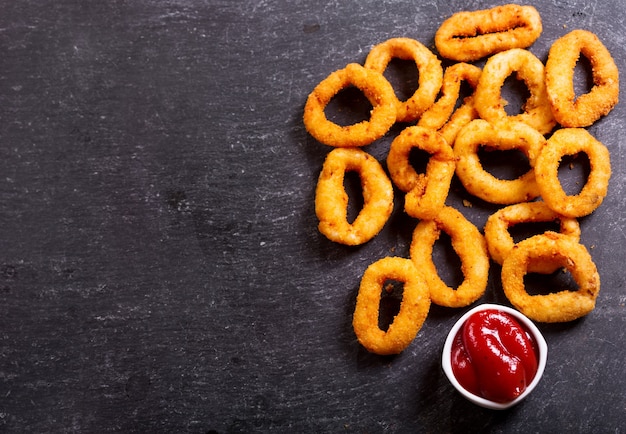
(331, 199)
(441, 116)
(469, 36)
(560, 250)
(501, 136)
(413, 308)
(426, 192)
(570, 141)
(488, 95)
(461, 117)
(377, 90)
(584, 110)
(467, 242)
(500, 242)
(429, 68)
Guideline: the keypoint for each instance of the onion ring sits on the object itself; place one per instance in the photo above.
(584, 110)
(570, 141)
(505, 135)
(413, 308)
(331, 199)
(467, 242)
(441, 115)
(377, 90)
(469, 36)
(426, 192)
(461, 117)
(560, 250)
(488, 95)
(429, 68)
(500, 242)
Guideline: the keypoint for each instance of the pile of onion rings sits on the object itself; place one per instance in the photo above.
(452, 129)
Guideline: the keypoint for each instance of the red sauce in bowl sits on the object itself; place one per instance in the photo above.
(494, 356)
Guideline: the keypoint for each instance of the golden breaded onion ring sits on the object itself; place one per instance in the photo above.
(488, 95)
(377, 90)
(504, 135)
(562, 251)
(331, 199)
(462, 116)
(471, 35)
(441, 115)
(426, 192)
(470, 246)
(413, 308)
(571, 141)
(500, 242)
(428, 66)
(584, 110)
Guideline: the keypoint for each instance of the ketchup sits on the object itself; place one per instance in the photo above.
(494, 356)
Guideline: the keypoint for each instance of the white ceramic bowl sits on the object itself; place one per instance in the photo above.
(478, 400)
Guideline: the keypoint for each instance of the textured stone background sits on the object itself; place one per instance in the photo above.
(161, 269)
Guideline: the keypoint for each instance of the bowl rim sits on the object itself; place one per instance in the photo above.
(542, 348)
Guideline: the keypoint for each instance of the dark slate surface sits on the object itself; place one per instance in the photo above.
(161, 270)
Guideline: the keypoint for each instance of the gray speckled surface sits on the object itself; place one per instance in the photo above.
(161, 270)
